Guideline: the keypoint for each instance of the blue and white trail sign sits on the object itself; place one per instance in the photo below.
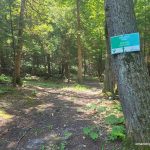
(125, 43)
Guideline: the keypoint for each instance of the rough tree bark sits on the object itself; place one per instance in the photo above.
(109, 82)
(131, 72)
(79, 44)
(18, 52)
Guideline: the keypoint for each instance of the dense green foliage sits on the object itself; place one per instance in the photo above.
(50, 36)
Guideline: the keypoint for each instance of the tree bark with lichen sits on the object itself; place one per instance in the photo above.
(131, 72)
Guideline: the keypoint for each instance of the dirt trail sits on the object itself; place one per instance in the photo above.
(49, 119)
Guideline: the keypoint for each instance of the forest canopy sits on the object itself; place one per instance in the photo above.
(50, 32)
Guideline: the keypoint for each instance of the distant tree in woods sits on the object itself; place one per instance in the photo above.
(79, 43)
(19, 46)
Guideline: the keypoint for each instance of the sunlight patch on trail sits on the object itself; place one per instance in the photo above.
(5, 115)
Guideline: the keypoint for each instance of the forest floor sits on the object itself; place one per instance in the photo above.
(55, 116)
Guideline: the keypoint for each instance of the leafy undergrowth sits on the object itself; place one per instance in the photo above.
(6, 89)
(4, 78)
(91, 132)
(108, 114)
(5, 85)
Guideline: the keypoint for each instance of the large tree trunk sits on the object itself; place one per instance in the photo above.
(131, 72)
(109, 81)
(17, 67)
(79, 44)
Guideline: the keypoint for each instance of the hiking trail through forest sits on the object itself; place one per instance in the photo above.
(51, 118)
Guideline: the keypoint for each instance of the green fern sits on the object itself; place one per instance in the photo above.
(92, 132)
(67, 134)
(63, 146)
(113, 120)
(94, 135)
(42, 147)
(117, 132)
(4, 78)
(87, 130)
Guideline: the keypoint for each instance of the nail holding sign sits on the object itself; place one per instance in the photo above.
(125, 43)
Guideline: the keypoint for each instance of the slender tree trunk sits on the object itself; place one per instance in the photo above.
(66, 59)
(85, 65)
(67, 74)
(49, 64)
(64, 54)
(2, 61)
(33, 64)
(99, 65)
(79, 43)
(12, 29)
(131, 72)
(17, 67)
(61, 69)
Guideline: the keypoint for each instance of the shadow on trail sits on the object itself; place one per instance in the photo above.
(42, 120)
